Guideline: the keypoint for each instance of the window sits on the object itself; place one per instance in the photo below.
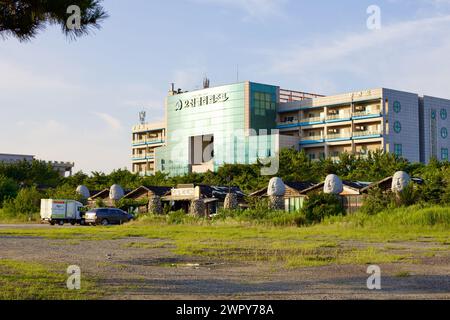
(397, 107)
(444, 154)
(312, 156)
(444, 133)
(433, 114)
(398, 150)
(263, 102)
(443, 114)
(397, 127)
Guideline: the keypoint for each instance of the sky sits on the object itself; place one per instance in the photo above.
(77, 100)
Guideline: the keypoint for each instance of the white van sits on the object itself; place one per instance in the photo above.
(61, 211)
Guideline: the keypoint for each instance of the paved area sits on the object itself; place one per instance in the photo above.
(155, 272)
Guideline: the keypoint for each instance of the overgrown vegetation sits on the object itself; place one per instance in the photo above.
(39, 177)
(329, 242)
(32, 281)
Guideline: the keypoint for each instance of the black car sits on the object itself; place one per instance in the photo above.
(106, 216)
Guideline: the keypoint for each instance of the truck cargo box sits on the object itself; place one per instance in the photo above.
(65, 210)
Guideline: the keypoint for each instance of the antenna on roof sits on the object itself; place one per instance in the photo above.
(206, 83)
(142, 116)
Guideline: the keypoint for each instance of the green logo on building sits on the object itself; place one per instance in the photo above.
(397, 107)
(397, 127)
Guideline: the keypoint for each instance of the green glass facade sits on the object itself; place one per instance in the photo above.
(226, 113)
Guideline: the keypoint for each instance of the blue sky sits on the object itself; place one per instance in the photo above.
(77, 101)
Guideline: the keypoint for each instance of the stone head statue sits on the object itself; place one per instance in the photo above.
(83, 191)
(116, 192)
(400, 181)
(276, 187)
(333, 185)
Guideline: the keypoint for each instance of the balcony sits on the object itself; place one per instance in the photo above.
(366, 134)
(346, 116)
(366, 114)
(144, 142)
(312, 139)
(312, 120)
(288, 124)
(143, 157)
(338, 136)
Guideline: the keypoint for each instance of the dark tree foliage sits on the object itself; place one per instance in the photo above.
(24, 19)
(34, 173)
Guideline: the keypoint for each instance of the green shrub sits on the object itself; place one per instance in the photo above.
(99, 203)
(377, 201)
(321, 205)
(26, 204)
(176, 217)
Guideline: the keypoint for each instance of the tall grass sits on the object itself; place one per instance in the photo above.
(413, 216)
(7, 216)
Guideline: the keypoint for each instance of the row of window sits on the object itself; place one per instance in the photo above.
(443, 113)
(398, 151)
(398, 129)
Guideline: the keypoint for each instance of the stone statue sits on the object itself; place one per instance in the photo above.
(276, 188)
(231, 202)
(333, 185)
(276, 191)
(83, 191)
(198, 208)
(116, 192)
(155, 205)
(400, 181)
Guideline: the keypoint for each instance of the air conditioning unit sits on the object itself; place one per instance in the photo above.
(332, 131)
(360, 108)
(361, 128)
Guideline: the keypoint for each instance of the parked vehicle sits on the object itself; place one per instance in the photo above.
(61, 211)
(107, 216)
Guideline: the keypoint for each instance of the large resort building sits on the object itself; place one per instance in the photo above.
(247, 121)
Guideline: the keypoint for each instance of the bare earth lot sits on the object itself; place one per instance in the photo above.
(141, 268)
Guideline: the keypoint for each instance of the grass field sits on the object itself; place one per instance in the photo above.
(323, 244)
(31, 281)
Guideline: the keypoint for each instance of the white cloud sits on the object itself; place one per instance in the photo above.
(112, 122)
(255, 9)
(410, 55)
(19, 78)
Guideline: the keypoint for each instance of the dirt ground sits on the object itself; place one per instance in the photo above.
(126, 271)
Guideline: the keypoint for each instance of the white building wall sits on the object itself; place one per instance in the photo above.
(408, 118)
(436, 116)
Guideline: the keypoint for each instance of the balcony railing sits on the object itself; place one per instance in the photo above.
(312, 120)
(335, 136)
(148, 141)
(357, 134)
(341, 116)
(287, 123)
(313, 138)
(143, 156)
(367, 113)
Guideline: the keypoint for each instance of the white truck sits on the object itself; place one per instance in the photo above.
(61, 211)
